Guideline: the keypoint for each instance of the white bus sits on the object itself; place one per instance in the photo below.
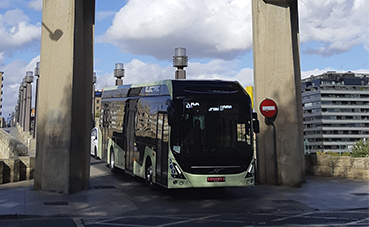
(180, 133)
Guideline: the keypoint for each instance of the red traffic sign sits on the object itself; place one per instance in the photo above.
(268, 108)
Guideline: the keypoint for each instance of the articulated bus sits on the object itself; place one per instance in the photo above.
(180, 133)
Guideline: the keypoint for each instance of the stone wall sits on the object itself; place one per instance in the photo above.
(15, 164)
(337, 166)
(17, 169)
(10, 147)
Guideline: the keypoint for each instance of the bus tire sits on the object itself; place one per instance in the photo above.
(112, 161)
(149, 174)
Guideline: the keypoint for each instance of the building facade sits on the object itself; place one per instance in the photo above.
(335, 111)
(97, 105)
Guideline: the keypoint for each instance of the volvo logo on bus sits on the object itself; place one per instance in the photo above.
(190, 105)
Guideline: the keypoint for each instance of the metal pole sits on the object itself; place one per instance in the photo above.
(275, 153)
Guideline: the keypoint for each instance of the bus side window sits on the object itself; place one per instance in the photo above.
(241, 132)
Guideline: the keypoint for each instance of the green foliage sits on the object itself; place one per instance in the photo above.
(346, 154)
(321, 153)
(331, 153)
(97, 115)
(360, 149)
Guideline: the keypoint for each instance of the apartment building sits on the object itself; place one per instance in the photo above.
(335, 111)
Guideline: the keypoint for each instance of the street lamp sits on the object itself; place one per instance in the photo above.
(119, 73)
(180, 60)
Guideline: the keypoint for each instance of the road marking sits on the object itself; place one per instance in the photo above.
(189, 220)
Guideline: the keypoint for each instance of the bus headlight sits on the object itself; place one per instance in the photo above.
(250, 171)
(176, 171)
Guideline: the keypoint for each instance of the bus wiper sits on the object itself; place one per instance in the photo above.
(192, 154)
(237, 153)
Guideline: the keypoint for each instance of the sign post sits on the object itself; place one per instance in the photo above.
(269, 109)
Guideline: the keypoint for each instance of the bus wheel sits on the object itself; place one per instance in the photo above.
(149, 174)
(112, 162)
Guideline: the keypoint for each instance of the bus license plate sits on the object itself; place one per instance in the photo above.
(216, 179)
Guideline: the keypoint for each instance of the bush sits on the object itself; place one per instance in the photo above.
(360, 149)
(320, 153)
(338, 154)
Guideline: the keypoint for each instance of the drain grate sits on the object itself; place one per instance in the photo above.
(284, 201)
(360, 194)
(104, 187)
(56, 203)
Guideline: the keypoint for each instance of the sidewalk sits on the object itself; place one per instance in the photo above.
(102, 199)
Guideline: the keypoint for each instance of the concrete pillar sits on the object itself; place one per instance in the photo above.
(19, 102)
(24, 97)
(37, 74)
(16, 112)
(277, 76)
(64, 100)
(27, 113)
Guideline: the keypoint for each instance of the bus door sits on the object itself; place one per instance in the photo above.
(130, 133)
(105, 126)
(162, 135)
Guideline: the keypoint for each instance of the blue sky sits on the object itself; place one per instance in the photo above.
(142, 34)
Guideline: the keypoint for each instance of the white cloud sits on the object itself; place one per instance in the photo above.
(335, 25)
(16, 32)
(35, 5)
(222, 28)
(137, 71)
(14, 73)
(217, 28)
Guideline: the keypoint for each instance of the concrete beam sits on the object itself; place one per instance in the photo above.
(64, 99)
(277, 76)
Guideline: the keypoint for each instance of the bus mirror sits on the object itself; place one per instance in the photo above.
(255, 123)
(171, 111)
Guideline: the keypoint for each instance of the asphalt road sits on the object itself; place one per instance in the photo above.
(253, 206)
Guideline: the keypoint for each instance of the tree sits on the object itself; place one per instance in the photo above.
(361, 149)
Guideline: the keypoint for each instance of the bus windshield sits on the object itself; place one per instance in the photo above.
(216, 129)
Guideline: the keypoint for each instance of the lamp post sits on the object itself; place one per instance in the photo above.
(180, 60)
(119, 73)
